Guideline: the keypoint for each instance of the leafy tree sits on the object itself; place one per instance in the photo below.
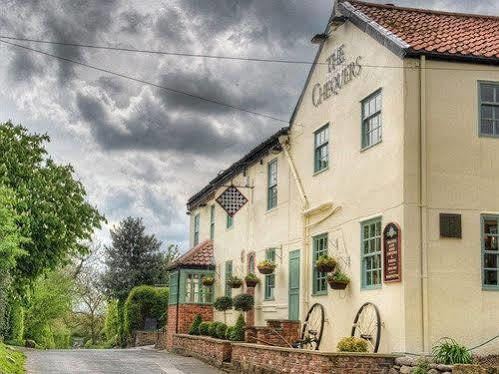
(10, 252)
(49, 304)
(132, 260)
(54, 213)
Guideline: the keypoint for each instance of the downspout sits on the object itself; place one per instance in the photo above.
(285, 143)
(178, 301)
(423, 201)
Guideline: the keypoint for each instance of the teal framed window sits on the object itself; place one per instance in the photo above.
(371, 120)
(321, 149)
(196, 229)
(228, 274)
(173, 286)
(488, 96)
(193, 290)
(212, 222)
(319, 279)
(269, 278)
(272, 184)
(230, 222)
(371, 253)
(490, 252)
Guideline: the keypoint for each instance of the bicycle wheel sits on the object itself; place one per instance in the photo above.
(313, 327)
(367, 326)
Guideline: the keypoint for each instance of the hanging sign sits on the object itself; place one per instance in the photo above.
(231, 200)
(339, 74)
(392, 260)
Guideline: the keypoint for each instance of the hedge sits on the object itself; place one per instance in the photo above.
(145, 302)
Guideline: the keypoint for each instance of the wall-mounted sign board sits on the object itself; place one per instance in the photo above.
(392, 253)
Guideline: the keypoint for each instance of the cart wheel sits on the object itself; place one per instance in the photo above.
(313, 327)
(367, 326)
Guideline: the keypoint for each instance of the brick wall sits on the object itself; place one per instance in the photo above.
(278, 332)
(255, 358)
(186, 314)
(214, 351)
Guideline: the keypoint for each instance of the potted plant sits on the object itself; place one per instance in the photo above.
(338, 280)
(325, 264)
(243, 302)
(235, 282)
(207, 280)
(266, 267)
(251, 280)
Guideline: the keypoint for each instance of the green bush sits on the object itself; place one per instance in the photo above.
(194, 329)
(352, 344)
(62, 337)
(221, 330)
(223, 303)
(145, 302)
(238, 331)
(449, 352)
(11, 361)
(243, 302)
(423, 367)
(229, 333)
(112, 324)
(203, 328)
(212, 330)
(16, 323)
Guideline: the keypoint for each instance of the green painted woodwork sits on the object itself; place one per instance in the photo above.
(212, 222)
(488, 109)
(294, 285)
(269, 278)
(230, 222)
(371, 120)
(490, 252)
(197, 220)
(186, 285)
(321, 149)
(319, 279)
(228, 274)
(272, 184)
(370, 253)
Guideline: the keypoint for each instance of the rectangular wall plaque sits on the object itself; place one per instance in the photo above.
(392, 260)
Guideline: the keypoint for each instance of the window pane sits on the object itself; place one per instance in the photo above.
(490, 261)
(366, 247)
(486, 126)
(490, 226)
(487, 92)
(368, 278)
(378, 102)
(487, 112)
(490, 278)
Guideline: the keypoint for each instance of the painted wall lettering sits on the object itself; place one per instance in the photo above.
(339, 74)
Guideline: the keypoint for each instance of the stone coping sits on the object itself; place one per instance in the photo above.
(320, 353)
(200, 337)
(283, 320)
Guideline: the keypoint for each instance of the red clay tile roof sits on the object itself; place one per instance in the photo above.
(199, 256)
(450, 34)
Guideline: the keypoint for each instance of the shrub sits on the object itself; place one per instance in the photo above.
(243, 302)
(221, 330)
(238, 331)
(194, 329)
(16, 328)
(223, 303)
(203, 328)
(229, 333)
(423, 367)
(449, 352)
(145, 302)
(212, 330)
(352, 344)
(112, 324)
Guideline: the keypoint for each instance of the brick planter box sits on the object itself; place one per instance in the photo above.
(213, 351)
(255, 358)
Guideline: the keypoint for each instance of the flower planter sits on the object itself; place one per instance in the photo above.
(338, 284)
(266, 268)
(207, 281)
(326, 267)
(235, 283)
(251, 282)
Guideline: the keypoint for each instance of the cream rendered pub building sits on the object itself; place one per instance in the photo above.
(398, 123)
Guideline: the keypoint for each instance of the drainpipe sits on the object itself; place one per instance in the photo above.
(423, 201)
(285, 143)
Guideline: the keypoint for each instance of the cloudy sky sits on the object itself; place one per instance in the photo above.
(141, 151)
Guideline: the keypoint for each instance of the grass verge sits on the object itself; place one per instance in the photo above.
(11, 360)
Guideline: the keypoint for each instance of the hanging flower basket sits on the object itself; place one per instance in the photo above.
(251, 280)
(207, 280)
(235, 282)
(338, 280)
(325, 264)
(266, 267)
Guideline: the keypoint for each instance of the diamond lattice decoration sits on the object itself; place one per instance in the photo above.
(231, 200)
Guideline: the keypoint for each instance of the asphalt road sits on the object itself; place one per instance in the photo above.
(113, 361)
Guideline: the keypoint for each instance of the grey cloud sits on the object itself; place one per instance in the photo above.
(132, 21)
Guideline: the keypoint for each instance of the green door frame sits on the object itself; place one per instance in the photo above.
(294, 285)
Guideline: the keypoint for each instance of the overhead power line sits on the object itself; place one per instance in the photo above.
(218, 57)
(165, 88)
